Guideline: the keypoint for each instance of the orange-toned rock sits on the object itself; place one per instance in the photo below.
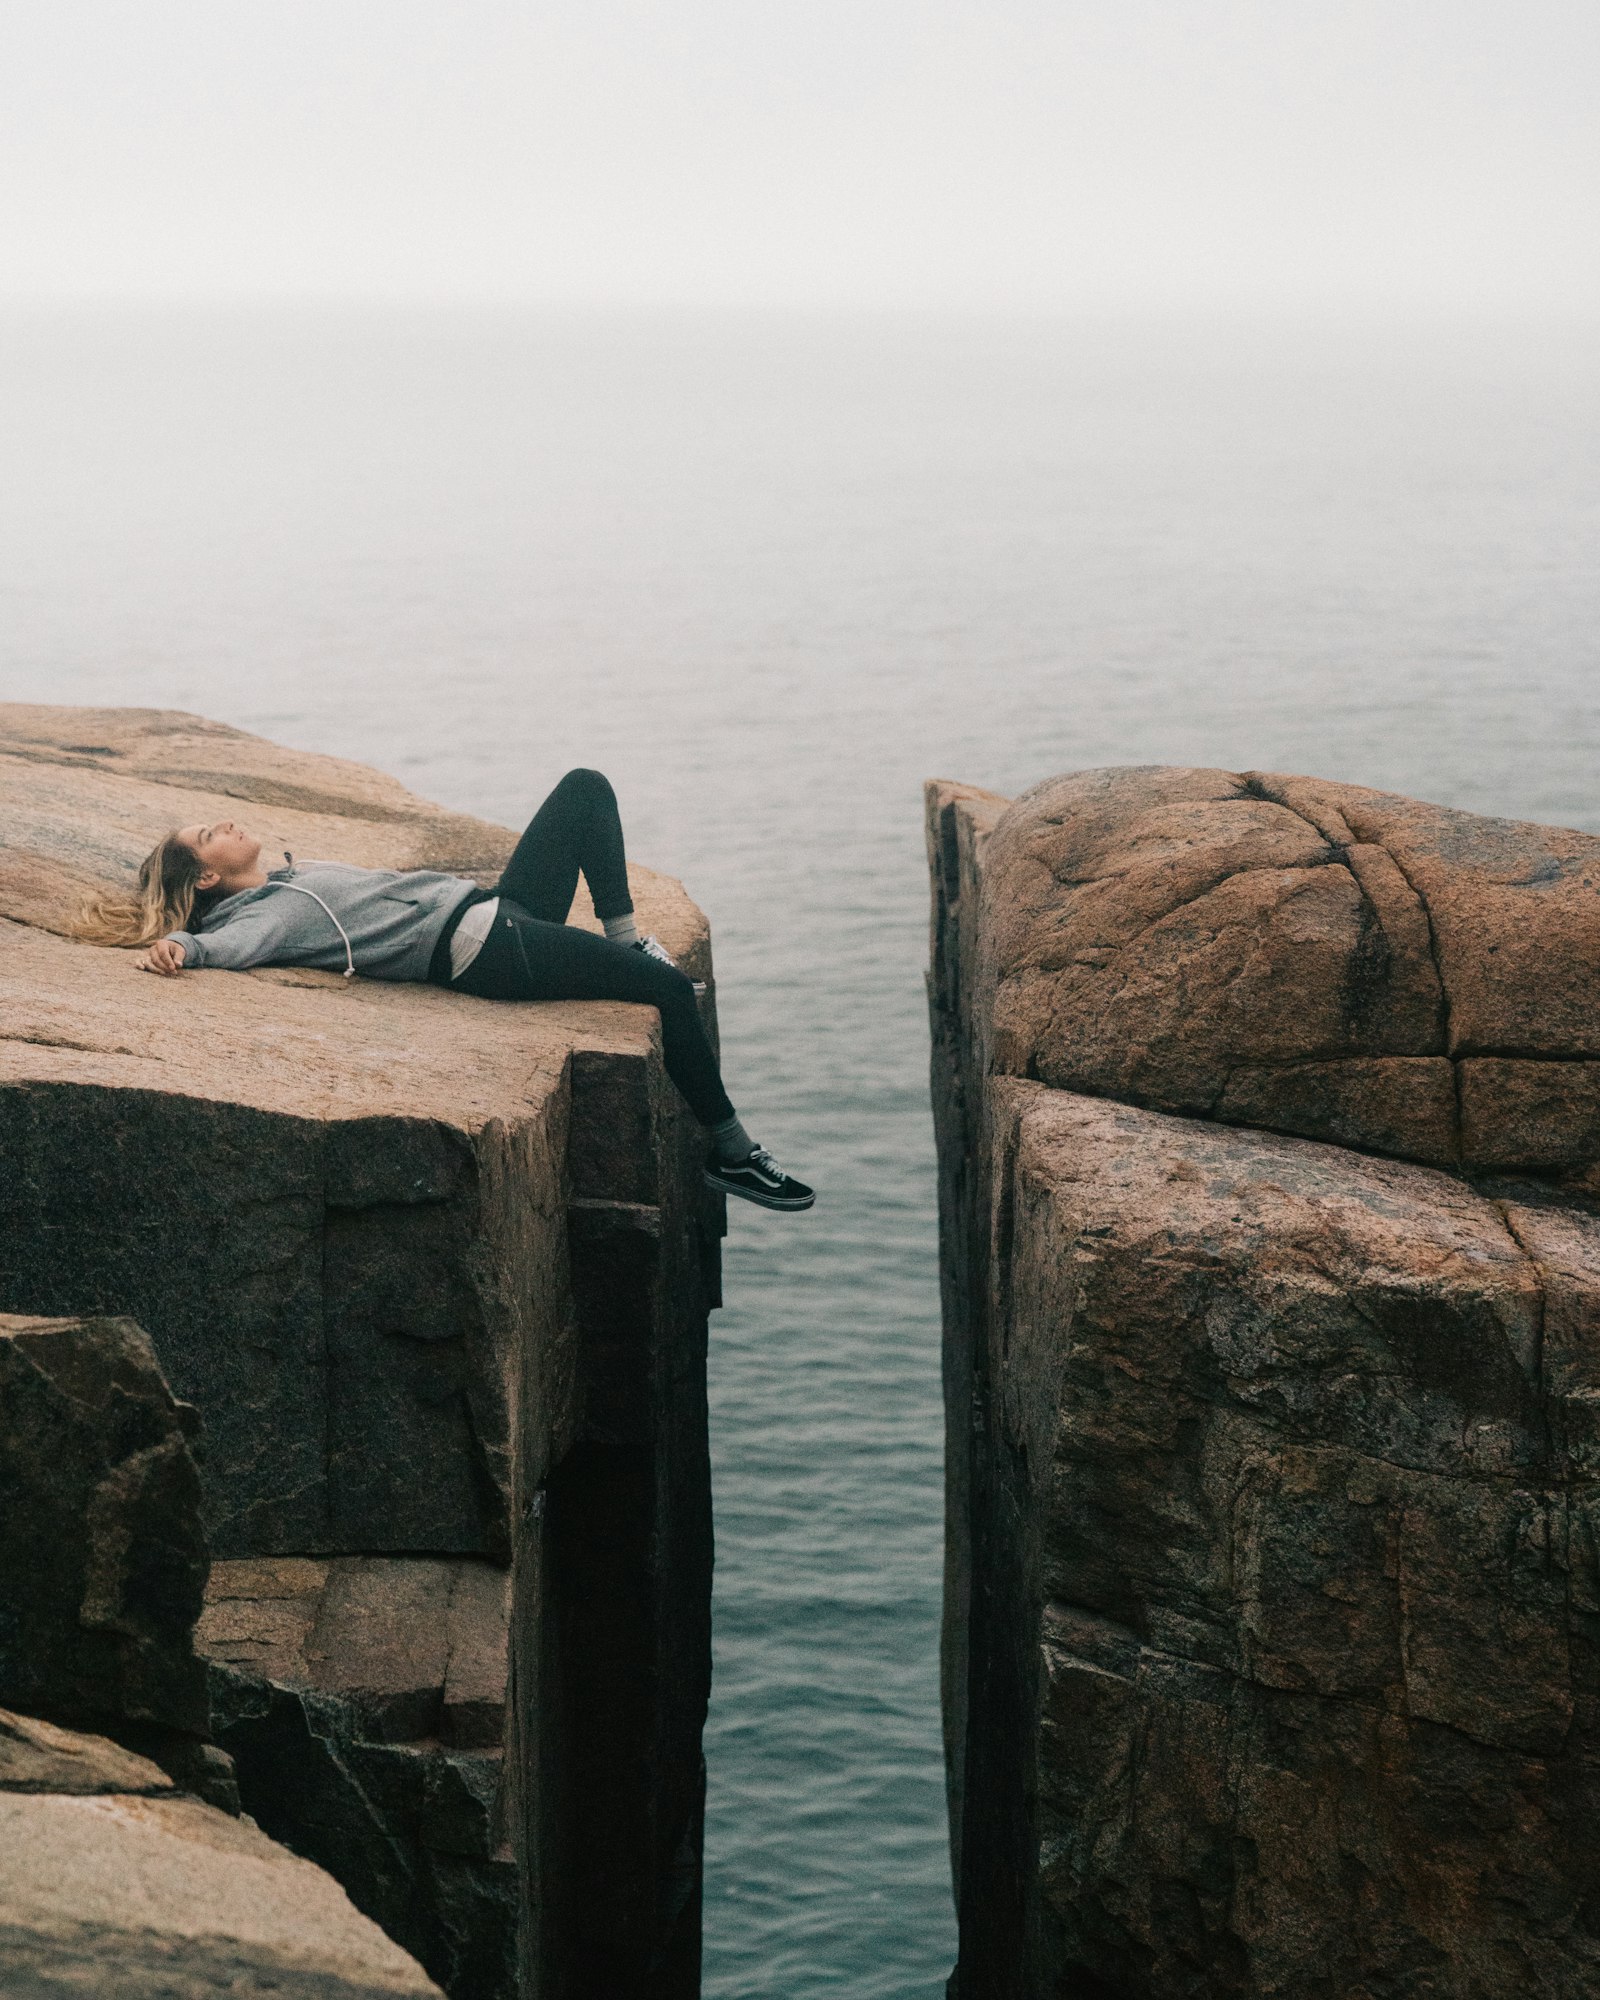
(1287, 1645)
(37, 1756)
(111, 1883)
(434, 1271)
(1272, 1618)
(1263, 948)
(331, 1202)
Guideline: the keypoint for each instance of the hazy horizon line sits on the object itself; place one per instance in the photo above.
(1365, 309)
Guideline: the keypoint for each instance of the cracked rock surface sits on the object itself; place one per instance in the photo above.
(113, 1882)
(323, 1198)
(1313, 957)
(363, 1701)
(1272, 1649)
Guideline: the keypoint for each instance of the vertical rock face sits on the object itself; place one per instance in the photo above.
(102, 1559)
(102, 1556)
(1273, 1591)
(434, 1273)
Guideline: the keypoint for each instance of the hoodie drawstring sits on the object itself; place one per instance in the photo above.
(300, 889)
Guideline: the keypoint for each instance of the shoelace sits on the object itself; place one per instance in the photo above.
(763, 1159)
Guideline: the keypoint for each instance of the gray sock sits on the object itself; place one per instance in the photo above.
(622, 930)
(731, 1141)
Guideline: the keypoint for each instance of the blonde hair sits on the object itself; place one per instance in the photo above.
(164, 901)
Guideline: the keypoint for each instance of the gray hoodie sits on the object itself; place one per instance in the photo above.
(381, 922)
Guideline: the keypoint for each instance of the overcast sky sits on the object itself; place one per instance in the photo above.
(1081, 154)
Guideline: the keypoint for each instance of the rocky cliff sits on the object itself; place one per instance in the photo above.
(434, 1274)
(115, 1878)
(1271, 1262)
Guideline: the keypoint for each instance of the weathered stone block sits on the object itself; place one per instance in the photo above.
(36, 1756)
(1536, 1116)
(364, 1702)
(112, 1883)
(339, 1207)
(1270, 1420)
(102, 1560)
(350, 1360)
(1298, 954)
(1402, 1105)
(417, 1646)
(1272, 1641)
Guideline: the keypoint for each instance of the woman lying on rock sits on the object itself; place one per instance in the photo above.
(205, 900)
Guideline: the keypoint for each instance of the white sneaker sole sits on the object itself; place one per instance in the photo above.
(784, 1202)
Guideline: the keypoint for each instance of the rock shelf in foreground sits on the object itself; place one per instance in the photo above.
(1272, 1654)
(364, 1702)
(112, 1882)
(434, 1274)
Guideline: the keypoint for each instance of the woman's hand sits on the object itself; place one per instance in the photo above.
(165, 955)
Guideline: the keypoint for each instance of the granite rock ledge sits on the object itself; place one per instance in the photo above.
(434, 1275)
(1270, 1240)
(114, 1882)
(123, 1872)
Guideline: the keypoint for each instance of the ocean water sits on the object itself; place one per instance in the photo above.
(770, 574)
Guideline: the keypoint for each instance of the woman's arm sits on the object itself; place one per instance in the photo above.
(256, 936)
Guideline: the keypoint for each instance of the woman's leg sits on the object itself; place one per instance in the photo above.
(577, 828)
(527, 958)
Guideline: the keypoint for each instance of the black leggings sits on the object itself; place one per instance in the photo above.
(531, 953)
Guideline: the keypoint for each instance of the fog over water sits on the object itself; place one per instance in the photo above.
(1064, 155)
(770, 571)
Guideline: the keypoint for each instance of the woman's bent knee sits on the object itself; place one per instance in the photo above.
(583, 783)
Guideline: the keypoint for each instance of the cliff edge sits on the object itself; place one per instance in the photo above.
(434, 1273)
(1271, 1272)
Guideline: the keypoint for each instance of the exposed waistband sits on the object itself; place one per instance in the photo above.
(439, 964)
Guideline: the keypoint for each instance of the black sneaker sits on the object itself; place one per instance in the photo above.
(652, 947)
(758, 1177)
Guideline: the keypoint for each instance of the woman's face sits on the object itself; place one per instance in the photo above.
(223, 849)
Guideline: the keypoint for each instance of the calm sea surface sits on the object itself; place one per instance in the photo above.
(770, 575)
